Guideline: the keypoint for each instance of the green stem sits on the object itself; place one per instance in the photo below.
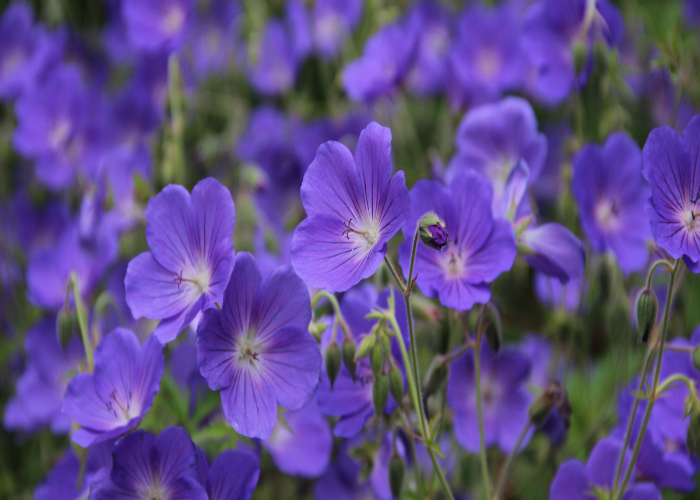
(336, 307)
(477, 373)
(82, 320)
(680, 378)
(510, 461)
(395, 274)
(652, 399)
(653, 267)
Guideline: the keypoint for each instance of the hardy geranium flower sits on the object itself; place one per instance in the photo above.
(481, 248)
(504, 398)
(157, 24)
(671, 165)
(611, 193)
(114, 398)
(191, 256)
(257, 350)
(576, 481)
(147, 467)
(354, 207)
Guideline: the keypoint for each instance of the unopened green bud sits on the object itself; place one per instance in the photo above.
(316, 328)
(380, 393)
(332, 361)
(365, 347)
(432, 231)
(386, 343)
(66, 324)
(647, 310)
(397, 469)
(349, 350)
(553, 397)
(580, 56)
(377, 360)
(396, 384)
(696, 358)
(693, 436)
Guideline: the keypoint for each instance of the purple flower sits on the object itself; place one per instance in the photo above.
(22, 50)
(553, 293)
(386, 59)
(49, 116)
(576, 481)
(485, 58)
(191, 256)
(492, 139)
(112, 400)
(552, 32)
(553, 250)
(157, 25)
(257, 350)
(50, 267)
(62, 482)
(611, 194)
(354, 207)
(504, 399)
(670, 164)
(333, 22)
(232, 476)
(302, 446)
(351, 400)
(41, 387)
(431, 21)
(481, 248)
(147, 467)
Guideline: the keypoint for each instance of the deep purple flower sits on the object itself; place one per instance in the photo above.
(41, 387)
(22, 50)
(302, 445)
(431, 21)
(157, 24)
(692, 11)
(553, 30)
(492, 139)
(576, 481)
(49, 116)
(553, 250)
(354, 207)
(146, 467)
(333, 22)
(485, 59)
(232, 476)
(553, 293)
(386, 59)
(351, 400)
(504, 399)
(257, 350)
(481, 248)
(50, 267)
(112, 400)
(62, 482)
(670, 164)
(191, 256)
(611, 194)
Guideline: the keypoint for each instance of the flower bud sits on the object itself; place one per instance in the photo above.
(397, 469)
(553, 397)
(349, 350)
(66, 324)
(693, 436)
(380, 393)
(396, 384)
(365, 347)
(647, 309)
(377, 360)
(432, 231)
(696, 358)
(316, 328)
(332, 361)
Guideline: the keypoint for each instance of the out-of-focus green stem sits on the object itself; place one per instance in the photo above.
(509, 462)
(82, 320)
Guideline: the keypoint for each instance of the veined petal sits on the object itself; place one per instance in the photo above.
(216, 349)
(373, 160)
(249, 404)
(282, 300)
(237, 307)
(223, 485)
(167, 228)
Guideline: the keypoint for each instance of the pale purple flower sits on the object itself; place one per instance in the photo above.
(190, 237)
(157, 25)
(257, 350)
(354, 207)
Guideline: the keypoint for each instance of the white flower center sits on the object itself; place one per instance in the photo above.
(174, 20)
(59, 133)
(197, 281)
(488, 63)
(12, 61)
(364, 235)
(452, 262)
(606, 213)
(248, 349)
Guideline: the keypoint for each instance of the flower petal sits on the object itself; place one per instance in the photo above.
(282, 300)
(216, 349)
(249, 404)
(237, 307)
(167, 228)
(223, 485)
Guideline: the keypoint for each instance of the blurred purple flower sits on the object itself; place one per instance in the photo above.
(485, 60)
(191, 256)
(257, 350)
(670, 164)
(504, 399)
(354, 207)
(147, 467)
(351, 400)
(41, 387)
(302, 445)
(481, 247)
(575, 481)
(553, 293)
(157, 25)
(553, 250)
(333, 22)
(114, 398)
(383, 66)
(611, 193)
